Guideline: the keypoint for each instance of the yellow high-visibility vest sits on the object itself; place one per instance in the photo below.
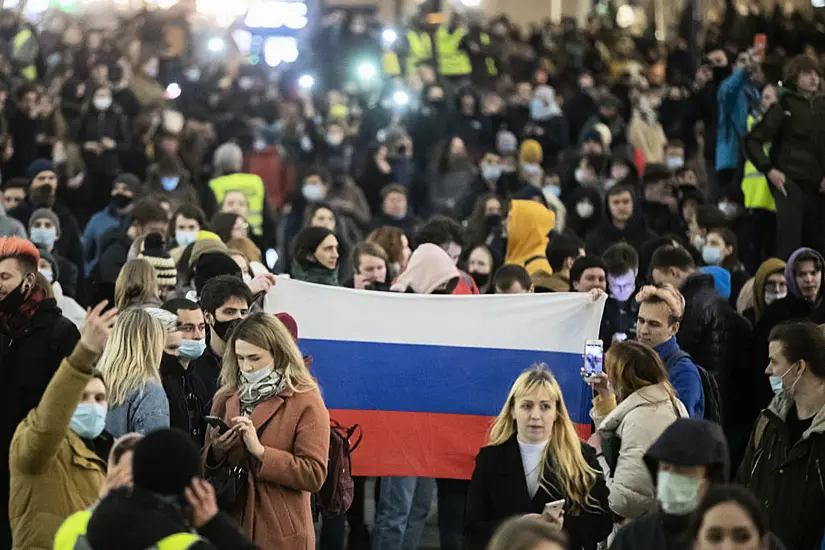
(252, 188)
(755, 185)
(28, 72)
(489, 61)
(392, 67)
(451, 60)
(74, 528)
(421, 49)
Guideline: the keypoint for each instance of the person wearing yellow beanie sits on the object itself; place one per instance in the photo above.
(528, 224)
(530, 158)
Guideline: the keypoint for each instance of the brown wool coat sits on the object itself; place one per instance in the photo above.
(294, 429)
(53, 473)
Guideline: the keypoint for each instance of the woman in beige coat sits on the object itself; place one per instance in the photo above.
(647, 404)
(279, 432)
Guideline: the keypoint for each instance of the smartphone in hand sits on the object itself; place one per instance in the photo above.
(216, 422)
(593, 358)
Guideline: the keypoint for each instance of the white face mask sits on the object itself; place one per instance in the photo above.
(678, 494)
(102, 103)
(47, 273)
(584, 210)
(256, 376)
(771, 297)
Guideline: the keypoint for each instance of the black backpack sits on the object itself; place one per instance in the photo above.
(713, 399)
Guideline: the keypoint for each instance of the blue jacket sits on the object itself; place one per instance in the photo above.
(734, 99)
(685, 379)
(145, 410)
(99, 224)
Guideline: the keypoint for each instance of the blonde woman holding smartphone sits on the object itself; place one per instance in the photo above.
(278, 431)
(535, 459)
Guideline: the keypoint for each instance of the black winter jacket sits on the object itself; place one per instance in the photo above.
(794, 128)
(618, 317)
(134, 520)
(94, 126)
(189, 400)
(498, 491)
(788, 480)
(712, 332)
(29, 360)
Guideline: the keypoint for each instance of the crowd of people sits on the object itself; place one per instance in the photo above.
(141, 229)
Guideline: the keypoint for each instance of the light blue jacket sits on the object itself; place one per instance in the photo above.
(143, 411)
(734, 99)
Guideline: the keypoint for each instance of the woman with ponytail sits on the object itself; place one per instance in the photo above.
(534, 458)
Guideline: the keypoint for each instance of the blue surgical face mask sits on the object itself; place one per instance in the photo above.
(170, 183)
(43, 236)
(777, 383)
(185, 238)
(712, 255)
(531, 168)
(313, 193)
(256, 376)
(88, 420)
(678, 494)
(554, 190)
(191, 349)
(47, 273)
(675, 163)
(491, 172)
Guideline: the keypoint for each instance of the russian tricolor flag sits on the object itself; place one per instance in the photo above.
(424, 376)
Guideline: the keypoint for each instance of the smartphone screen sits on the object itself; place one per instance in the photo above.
(593, 357)
(760, 45)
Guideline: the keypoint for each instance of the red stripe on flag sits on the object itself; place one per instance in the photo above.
(419, 444)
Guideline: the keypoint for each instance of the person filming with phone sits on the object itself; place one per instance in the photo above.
(536, 466)
(635, 402)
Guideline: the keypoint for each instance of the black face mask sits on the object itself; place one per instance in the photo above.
(12, 302)
(492, 221)
(224, 329)
(42, 197)
(481, 279)
(121, 201)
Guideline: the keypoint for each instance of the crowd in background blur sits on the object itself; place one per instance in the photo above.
(684, 179)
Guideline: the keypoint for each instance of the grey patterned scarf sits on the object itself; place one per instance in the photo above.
(252, 394)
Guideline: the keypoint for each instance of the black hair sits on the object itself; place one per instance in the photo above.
(729, 237)
(219, 290)
(16, 183)
(721, 494)
(179, 304)
(807, 256)
(655, 173)
(393, 188)
(802, 341)
(148, 210)
(318, 171)
(440, 230)
(669, 256)
(509, 274)
(222, 225)
(709, 217)
(583, 264)
(620, 258)
(315, 207)
(191, 212)
(560, 248)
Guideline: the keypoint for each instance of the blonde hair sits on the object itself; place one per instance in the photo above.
(563, 449)
(132, 355)
(136, 285)
(266, 332)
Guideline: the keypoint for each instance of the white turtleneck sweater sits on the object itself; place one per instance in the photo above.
(531, 456)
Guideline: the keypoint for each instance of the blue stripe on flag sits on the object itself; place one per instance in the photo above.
(434, 378)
